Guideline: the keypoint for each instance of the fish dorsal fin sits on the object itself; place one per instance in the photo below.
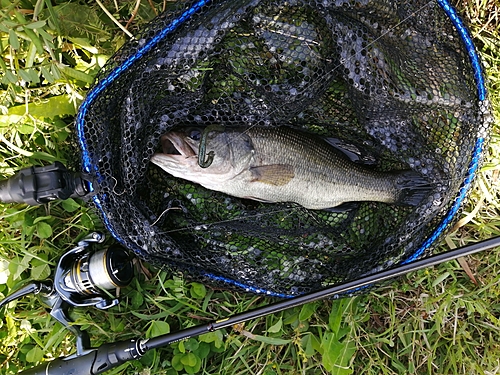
(273, 174)
(351, 151)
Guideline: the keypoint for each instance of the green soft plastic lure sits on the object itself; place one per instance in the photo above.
(202, 150)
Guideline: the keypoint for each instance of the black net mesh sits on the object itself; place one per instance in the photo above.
(396, 79)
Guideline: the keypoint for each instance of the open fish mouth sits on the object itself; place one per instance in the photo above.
(175, 144)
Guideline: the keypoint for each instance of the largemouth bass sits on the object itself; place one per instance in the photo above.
(282, 165)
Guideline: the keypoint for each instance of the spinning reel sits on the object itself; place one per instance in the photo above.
(82, 276)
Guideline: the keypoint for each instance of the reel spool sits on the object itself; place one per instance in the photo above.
(82, 277)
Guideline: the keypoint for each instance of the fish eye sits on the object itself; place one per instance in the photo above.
(195, 134)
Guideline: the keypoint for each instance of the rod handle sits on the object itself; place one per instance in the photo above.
(92, 362)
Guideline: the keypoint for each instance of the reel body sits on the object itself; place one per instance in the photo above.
(83, 277)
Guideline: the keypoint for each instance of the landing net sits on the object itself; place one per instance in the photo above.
(399, 80)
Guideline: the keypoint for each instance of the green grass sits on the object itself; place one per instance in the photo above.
(435, 321)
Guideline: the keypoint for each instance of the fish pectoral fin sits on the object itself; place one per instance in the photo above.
(273, 174)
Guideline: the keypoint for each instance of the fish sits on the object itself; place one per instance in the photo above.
(282, 164)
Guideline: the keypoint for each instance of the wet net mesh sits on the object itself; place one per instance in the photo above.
(398, 80)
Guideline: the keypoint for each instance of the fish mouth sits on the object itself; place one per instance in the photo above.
(175, 144)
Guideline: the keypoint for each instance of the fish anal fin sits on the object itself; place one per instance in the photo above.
(343, 207)
(258, 199)
(273, 174)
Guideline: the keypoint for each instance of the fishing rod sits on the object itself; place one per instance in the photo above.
(93, 361)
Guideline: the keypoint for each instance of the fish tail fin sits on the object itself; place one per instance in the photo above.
(413, 188)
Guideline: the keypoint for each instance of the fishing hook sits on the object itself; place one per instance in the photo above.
(202, 150)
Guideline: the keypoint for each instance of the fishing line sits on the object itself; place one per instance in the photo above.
(203, 227)
(202, 145)
(197, 227)
(436, 183)
(389, 30)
